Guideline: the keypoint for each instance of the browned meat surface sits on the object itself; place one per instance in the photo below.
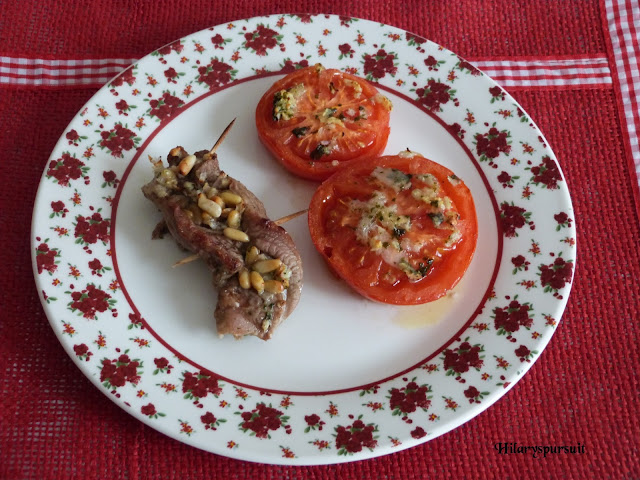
(254, 262)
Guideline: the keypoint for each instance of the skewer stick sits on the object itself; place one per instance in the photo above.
(222, 137)
(291, 216)
(278, 222)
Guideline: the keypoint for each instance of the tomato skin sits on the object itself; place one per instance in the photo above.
(353, 140)
(360, 269)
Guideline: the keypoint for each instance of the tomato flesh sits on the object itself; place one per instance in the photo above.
(399, 229)
(316, 120)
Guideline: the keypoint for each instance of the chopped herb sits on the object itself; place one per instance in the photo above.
(424, 268)
(437, 218)
(300, 131)
(398, 232)
(285, 102)
(320, 150)
(329, 112)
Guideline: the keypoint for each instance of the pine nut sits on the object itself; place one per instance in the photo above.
(273, 286)
(176, 152)
(219, 201)
(186, 164)
(207, 219)
(235, 234)
(252, 255)
(266, 266)
(257, 282)
(209, 206)
(243, 279)
(231, 198)
(234, 218)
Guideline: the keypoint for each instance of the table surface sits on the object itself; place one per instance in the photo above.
(583, 389)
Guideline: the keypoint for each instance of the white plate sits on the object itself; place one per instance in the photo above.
(344, 378)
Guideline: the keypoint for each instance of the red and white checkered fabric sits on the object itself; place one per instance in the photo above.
(60, 73)
(623, 24)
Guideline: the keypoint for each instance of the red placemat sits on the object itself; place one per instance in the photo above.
(584, 389)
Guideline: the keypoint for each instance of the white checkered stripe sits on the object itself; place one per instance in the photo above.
(542, 72)
(58, 72)
(548, 72)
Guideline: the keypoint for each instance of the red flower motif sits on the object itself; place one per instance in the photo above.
(379, 64)
(289, 65)
(510, 318)
(117, 140)
(261, 39)
(116, 373)
(461, 359)
(90, 301)
(59, 207)
(91, 229)
(170, 74)
(210, 421)
(125, 77)
(46, 258)
(65, 169)
(72, 136)
(218, 41)
(110, 178)
(164, 107)
(313, 421)
(430, 61)
(352, 438)
(555, 276)
(547, 173)
(512, 218)
(506, 180)
(122, 106)
(200, 385)
(474, 395)
(161, 362)
(418, 433)
(563, 220)
(148, 410)
(172, 47)
(456, 129)
(464, 65)
(96, 266)
(414, 40)
(262, 419)
(409, 398)
(434, 94)
(345, 51)
(524, 353)
(520, 263)
(82, 350)
(215, 74)
(497, 93)
(491, 144)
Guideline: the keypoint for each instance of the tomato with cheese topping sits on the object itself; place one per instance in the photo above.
(317, 120)
(399, 229)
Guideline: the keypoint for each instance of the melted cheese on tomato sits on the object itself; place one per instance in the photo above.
(384, 229)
